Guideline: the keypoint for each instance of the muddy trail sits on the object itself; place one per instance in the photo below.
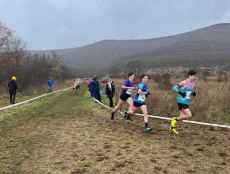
(66, 134)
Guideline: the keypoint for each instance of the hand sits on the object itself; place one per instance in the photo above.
(183, 94)
(194, 94)
(148, 93)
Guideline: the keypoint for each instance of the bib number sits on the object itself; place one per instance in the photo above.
(188, 94)
(129, 91)
(141, 98)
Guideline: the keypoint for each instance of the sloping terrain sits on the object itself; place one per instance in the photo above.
(205, 47)
(70, 134)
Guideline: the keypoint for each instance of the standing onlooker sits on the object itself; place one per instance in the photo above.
(76, 85)
(90, 87)
(12, 85)
(50, 84)
(96, 89)
(110, 91)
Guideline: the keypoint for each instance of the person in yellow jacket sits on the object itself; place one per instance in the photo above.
(12, 86)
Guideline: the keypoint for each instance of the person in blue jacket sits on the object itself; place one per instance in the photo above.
(90, 87)
(50, 84)
(95, 89)
(139, 101)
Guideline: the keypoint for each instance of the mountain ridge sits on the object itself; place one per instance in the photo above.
(208, 43)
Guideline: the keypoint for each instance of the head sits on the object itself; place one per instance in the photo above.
(192, 75)
(144, 78)
(131, 76)
(13, 78)
(110, 80)
(95, 78)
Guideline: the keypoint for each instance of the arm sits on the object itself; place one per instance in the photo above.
(182, 83)
(142, 92)
(126, 87)
(176, 88)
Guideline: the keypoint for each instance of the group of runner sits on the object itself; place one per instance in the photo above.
(135, 96)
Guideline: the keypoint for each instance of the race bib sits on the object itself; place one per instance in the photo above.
(188, 94)
(141, 98)
(129, 91)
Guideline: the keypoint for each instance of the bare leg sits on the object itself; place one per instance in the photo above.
(185, 114)
(118, 106)
(146, 117)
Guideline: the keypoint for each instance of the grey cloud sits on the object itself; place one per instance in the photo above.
(45, 24)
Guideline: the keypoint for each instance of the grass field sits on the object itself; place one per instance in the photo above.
(66, 134)
(28, 93)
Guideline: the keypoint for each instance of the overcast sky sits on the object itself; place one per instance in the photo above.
(48, 24)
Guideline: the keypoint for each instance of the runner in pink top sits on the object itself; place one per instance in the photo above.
(185, 90)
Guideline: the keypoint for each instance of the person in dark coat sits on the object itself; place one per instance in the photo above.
(90, 87)
(110, 91)
(12, 86)
(96, 89)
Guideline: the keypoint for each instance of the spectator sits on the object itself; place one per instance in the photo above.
(76, 85)
(50, 84)
(96, 89)
(12, 85)
(90, 87)
(110, 91)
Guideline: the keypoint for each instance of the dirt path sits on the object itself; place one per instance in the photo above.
(61, 136)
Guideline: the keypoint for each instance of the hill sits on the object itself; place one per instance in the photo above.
(205, 46)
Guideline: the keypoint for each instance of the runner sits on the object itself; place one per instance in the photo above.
(185, 89)
(127, 90)
(139, 101)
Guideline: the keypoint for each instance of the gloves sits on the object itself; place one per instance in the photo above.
(194, 94)
(147, 94)
(183, 94)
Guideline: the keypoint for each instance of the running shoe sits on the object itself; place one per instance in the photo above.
(147, 129)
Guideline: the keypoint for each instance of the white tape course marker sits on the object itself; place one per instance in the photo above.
(33, 99)
(167, 118)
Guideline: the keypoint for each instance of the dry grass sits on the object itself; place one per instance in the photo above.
(28, 93)
(212, 102)
(68, 134)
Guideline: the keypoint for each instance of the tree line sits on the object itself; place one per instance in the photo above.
(30, 68)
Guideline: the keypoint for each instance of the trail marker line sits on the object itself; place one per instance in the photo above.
(168, 118)
(33, 99)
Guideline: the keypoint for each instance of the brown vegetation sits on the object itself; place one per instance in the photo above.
(211, 103)
(31, 69)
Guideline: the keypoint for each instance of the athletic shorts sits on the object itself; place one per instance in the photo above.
(124, 97)
(182, 106)
(137, 104)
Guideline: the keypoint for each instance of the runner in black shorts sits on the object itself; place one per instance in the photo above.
(127, 90)
(139, 101)
(185, 90)
(182, 106)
